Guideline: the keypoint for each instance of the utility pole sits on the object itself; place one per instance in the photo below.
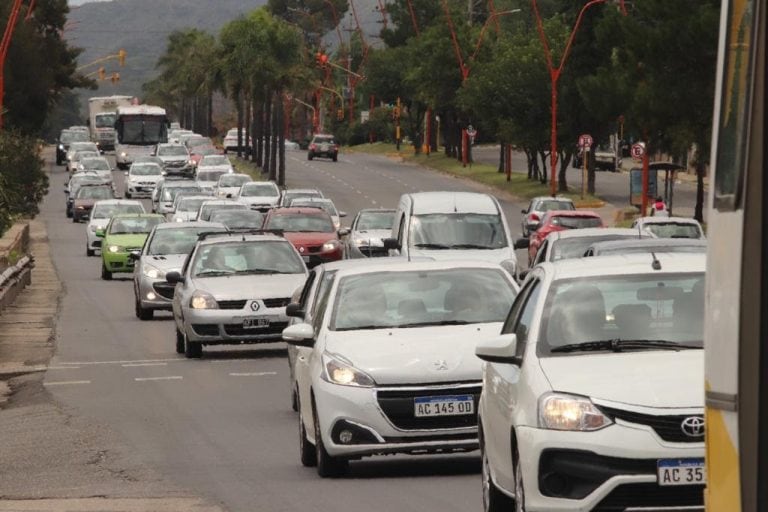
(4, 45)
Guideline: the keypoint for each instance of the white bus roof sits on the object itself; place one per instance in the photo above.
(141, 110)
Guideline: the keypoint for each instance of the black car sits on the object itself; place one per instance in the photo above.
(325, 146)
(65, 139)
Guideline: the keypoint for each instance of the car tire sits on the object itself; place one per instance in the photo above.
(193, 350)
(89, 252)
(127, 195)
(307, 452)
(493, 499)
(106, 275)
(69, 213)
(310, 156)
(328, 466)
(144, 313)
(75, 219)
(519, 500)
(335, 158)
(179, 342)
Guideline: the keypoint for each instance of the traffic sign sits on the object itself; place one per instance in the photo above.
(638, 150)
(585, 141)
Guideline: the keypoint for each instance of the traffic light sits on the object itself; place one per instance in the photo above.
(340, 114)
(121, 57)
(115, 78)
(102, 73)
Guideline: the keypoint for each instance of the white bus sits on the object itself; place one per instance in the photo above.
(139, 129)
(102, 114)
(736, 325)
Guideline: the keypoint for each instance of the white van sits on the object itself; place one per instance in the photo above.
(452, 225)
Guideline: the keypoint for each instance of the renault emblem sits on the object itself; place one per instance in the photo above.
(301, 249)
(255, 306)
(693, 426)
(440, 365)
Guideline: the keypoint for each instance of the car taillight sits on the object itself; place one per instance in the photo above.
(534, 217)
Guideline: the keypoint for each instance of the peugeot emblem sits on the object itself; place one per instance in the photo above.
(693, 426)
(440, 365)
(255, 305)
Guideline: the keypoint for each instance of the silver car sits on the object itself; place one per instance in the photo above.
(162, 198)
(186, 206)
(167, 246)
(233, 289)
(367, 233)
(538, 207)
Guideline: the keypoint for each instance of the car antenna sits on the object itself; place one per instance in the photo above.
(656, 264)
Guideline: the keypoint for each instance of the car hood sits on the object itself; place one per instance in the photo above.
(251, 287)
(489, 255)
(149, 178)
(649, 379)
(417, 355)
(207, 184)
(166, 262)
(130, 240)
(171, 158)
(304, 239)
(255, 200)
(374, 235)
(205, 168)
(99, 223)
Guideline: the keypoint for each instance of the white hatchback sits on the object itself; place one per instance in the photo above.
(593, 395)
(391, 365)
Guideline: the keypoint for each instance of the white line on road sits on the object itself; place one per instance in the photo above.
(133, 365)
(252, 374)
(66, 382)
(127, 361)
(147, 379)
(44, 368)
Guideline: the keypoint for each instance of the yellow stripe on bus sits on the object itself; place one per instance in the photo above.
(723, 488)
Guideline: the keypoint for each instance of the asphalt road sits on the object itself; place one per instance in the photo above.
(222, 426)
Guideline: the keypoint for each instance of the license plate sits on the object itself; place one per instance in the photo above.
(255, 323)
(305, 258)
(681, 472)
(454, 405)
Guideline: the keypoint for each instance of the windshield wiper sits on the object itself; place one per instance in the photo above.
(260, 271)
(431, 246)
(472, 246)
(365, 327)
(428, 324)
(214, 273)
(619, 345)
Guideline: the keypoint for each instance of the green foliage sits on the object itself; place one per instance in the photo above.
(23, 183)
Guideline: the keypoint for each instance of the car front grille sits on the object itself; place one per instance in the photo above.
(175, 164)
(277, 303)
(231, 304)
(238, 330)
(649, 495)
(164, 289)
(206, 329)
(398, 406)
(314, 248)
(374, 252)
(669, 428)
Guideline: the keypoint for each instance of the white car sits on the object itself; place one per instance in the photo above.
(207, 207)
(592, 395)
(229, 185)
(79, 146)
(141, 179)
(73, 164)
(101, 212)
(388, 364)
(97, 164)
(207, 177)
(185, 207)
(669, 227)
(259, 195)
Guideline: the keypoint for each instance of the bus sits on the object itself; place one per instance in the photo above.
(736, 324)
(139, 128)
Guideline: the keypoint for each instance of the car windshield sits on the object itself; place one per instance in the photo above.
(214, 160)
(290, 196)
(96, 164)
(105, 120)
(191, 204)
(85, 153)
(129, 225)
(146, 170)
(94, 193)
(326, 206)
(296, 222)
(551, 204)
(170, 193)
(210, 175)
(576, 247)
(177, 240)
(247, 257)
(238, 219)
(654, 307)
(674, 230)
(323, 140)
(575, 222)
(375, 220)
(207, 209)
(260, 190)
(172, 151)
(457, 231)
(233, 180)
(647, 249)
(83, 146)
(106, 211)
(384, 300)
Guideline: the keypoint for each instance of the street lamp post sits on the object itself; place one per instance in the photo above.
(4, 45)
(554, 75)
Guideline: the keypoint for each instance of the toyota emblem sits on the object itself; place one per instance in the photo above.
(693, 426)
(255, 305)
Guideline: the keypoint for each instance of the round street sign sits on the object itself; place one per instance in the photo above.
(585, 141)
(638, 150)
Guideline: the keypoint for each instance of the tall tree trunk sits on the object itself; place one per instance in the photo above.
(210, 114)
(562, 178)
(255, 128)
(247, 123)
(281, 141)
(698, 212)
(240, 120)
(267, 132)
(543, 177)
(275, 128)
(502, 155)
(591, 172)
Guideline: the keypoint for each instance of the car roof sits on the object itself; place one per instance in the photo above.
(550, 198)
(182, 197)
(117, 201)
(306, 210)
(452, 202)
(667, 220)
(572, 213)
(229, 174)
(661, 243)
(595, 232)
(624, 264)
(376, 210)
(301, 191)
(235, 236)
(193, 224)
(223, 201)
(138, 215)
(378, 265)
(366, 262)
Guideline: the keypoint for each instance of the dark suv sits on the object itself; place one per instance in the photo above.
(325, 146)
(65, 139)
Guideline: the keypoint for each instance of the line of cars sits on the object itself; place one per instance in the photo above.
(577, 378)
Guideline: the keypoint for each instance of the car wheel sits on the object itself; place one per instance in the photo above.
(143, 313)
(69, 213)
(307, 451)
(519, 487)
(493, 499)
(89, 252)
(310, 156)
(105, 274)
(179, 342)
(335, 158)
(75, 219)
(192, 349)
(127, 195)
(327, 465)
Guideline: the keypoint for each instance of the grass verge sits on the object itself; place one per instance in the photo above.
(247, 167)
(519, 185)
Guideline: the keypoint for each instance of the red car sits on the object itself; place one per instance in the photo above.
(311, 231)
(559, 220)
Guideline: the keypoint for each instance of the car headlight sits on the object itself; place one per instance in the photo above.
(61, 147)
(330, 245)
(178, 219)
(114, 248)
(344, 374)
(203, 300)
(559, 411)
(191, 162)
(152, 272)
(123, 154)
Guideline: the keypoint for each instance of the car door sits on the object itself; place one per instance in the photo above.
(501, 386)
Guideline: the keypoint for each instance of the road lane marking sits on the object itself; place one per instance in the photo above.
(125, 361)
(66, 382)
(44, 368)
(252, 374)
(148, 379)
(134, 365)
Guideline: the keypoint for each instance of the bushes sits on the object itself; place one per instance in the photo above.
(23, 182)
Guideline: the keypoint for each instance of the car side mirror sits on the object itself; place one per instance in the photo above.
(294, 310)
(342, 214)
(174, 277)
(301, 335)
(524, 212)
(100, 233)
(343, 232)
(134, 255)
(499, 350)
(522, 243)
(391, 244)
